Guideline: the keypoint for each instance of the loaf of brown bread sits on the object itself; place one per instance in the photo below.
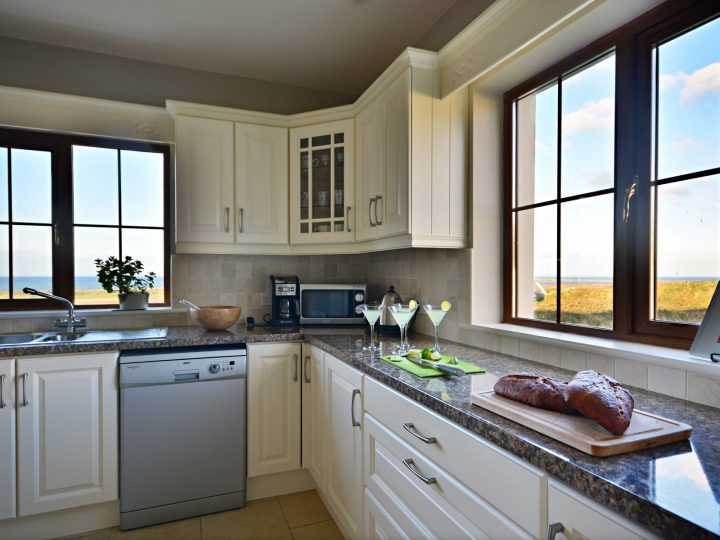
(602, 399)
(536, 390)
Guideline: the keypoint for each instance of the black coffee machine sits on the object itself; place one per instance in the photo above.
(285, 301)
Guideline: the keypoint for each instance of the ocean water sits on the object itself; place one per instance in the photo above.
(44, 283)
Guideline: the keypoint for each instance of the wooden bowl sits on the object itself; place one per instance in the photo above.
(215, 317)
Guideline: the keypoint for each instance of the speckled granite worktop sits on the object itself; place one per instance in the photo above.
(672, 490)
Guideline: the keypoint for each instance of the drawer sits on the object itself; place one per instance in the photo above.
(512, 486)
(444, 508)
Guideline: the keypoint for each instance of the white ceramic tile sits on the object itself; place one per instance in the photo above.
(529, 350)
(703, 389)
(573, 360)
(603, 364)
(492, 342)
(549, 355)
(509, 346)
(631, 372)
(668, 381)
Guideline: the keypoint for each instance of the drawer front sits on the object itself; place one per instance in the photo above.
(512, 486)
(444, 508)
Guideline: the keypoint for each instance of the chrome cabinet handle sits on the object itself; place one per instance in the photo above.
(410, 428)
(355, 423)
(2, 391)
(629, 194)
(227, 219)
(409, 464)
(295, 377)
(25, 401)
(347, 217)
(305, 370)
(370, 211)
(553, 530)
(242, 220)
(378, 199)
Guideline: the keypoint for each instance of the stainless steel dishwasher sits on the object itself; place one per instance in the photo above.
(182, 433)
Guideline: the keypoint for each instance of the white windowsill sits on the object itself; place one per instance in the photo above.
(649, 354)
(110, 312)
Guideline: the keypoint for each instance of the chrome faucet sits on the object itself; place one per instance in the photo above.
(70, 322)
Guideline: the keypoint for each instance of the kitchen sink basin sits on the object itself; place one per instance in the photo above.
(18, 339)
(9, 340)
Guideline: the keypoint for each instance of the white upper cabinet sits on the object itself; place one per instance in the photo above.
(261, 184)
(7, 439)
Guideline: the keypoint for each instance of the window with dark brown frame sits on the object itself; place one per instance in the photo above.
(612, 164)
(67, 200)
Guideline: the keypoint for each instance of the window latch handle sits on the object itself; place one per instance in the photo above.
(629, 194)
(56, 235)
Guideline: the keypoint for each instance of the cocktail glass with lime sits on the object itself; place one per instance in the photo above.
(437, 311)
(372, 311)
(403, 313)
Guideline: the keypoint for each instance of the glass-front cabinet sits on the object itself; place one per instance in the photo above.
(321, 183)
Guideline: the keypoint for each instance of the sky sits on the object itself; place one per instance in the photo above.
(688, 224)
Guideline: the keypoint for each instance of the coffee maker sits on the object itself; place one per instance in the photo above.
(285, 301)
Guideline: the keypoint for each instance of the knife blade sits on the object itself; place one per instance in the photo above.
(450, 370)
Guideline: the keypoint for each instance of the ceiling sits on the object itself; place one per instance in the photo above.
(334, 45)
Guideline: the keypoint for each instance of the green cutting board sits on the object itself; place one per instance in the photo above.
(422, 371)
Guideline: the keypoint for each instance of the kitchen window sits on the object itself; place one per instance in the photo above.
(613, 183)
(68, 200)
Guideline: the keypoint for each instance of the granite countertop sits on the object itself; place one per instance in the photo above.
(672, 490)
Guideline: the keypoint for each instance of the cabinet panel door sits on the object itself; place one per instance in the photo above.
(261, 184)
(313, 402)
(273, 408)
(67, 431)
(205, 160)
(7, 439)
(369, 150)
(344, 461)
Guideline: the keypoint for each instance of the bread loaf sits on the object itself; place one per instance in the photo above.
(602, 399)
(536, 390)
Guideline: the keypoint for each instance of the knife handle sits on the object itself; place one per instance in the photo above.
(450, 370)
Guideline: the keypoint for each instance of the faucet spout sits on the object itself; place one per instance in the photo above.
(70, 321)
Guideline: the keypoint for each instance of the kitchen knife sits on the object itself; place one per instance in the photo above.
(450, 370)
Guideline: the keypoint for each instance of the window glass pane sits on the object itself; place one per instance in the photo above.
(687, 248)
(95, 185)
(586, 267)
(537, 147)
(32, 258)
(4, 262)
(688, 113)
(321, 140)
(141, 175)
(339, 138)
(3, 184)
(537, 263)
(31, 177)
(588, 129)
(148, 246)
(93, 243)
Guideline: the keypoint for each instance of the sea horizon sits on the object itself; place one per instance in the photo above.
(44, 283)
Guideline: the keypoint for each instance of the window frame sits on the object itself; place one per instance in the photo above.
(632, 43)
(60, 145)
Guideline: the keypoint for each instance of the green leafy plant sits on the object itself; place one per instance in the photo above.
(123, 276)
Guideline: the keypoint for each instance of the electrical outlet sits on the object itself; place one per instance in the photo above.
(266, 299)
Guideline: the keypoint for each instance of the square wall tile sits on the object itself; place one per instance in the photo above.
(549, 355)
(573, 360)
(529, 350)
(631, 372)
(509, 345)
(671, 382)
(601, 363)
(703, 389)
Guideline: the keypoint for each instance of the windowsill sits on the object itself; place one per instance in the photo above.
(649, 354)
(111, 312)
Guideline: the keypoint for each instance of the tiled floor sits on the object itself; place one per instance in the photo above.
(299, 516)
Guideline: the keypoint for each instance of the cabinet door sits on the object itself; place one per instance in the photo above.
(205, 161)
(369, 170)
(344, 489)
(261, 184)
(313, 404)
(322, 183)
(273, 408)
(7, 439)
(67, 431)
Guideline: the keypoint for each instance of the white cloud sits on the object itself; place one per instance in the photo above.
(699, 83)
(541, 147)
(687, 144)
(676, 191)
(592, 116)
(672, 81)
(597, 180)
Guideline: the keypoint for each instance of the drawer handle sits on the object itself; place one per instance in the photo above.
(553, 530)
(370, 211)
(2, 391)
(409, 464)
(410, 428)
(25, 400)
(305, 369)
(355, 423)
(295, 377)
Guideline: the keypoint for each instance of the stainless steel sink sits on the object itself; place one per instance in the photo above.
(35, 338)
(18, 339)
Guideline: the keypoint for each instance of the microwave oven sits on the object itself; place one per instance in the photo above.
(331, 303)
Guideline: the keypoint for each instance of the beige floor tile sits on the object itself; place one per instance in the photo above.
(326, 530)
(303, 508)
(98, 535)
(259, 520)
(186, 529)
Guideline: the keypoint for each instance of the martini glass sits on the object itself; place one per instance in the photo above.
(372, 311)
(402, 313)
(437, 312)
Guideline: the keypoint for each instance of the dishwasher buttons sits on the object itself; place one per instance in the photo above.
(214, 368)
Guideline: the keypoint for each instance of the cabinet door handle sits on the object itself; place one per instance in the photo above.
(410, 428)
(355, 423)
(378, 200)
(427, 479)
(25, 400)
(295, 377)
(347, 216)
(305, 370)
(553, 530)
(370, 211)
(242, 220)
(2, 391)
(227, 219)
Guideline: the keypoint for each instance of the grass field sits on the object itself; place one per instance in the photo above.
(591, 305)
(95, 297)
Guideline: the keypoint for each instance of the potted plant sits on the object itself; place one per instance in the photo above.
(125, 277)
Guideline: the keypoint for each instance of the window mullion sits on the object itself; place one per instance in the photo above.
(558, 209)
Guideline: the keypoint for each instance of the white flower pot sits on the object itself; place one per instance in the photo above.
(136, 300)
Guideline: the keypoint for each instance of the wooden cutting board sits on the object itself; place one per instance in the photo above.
(645, 431)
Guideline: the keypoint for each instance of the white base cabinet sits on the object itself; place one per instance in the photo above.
(7, 439)
(314, 429)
